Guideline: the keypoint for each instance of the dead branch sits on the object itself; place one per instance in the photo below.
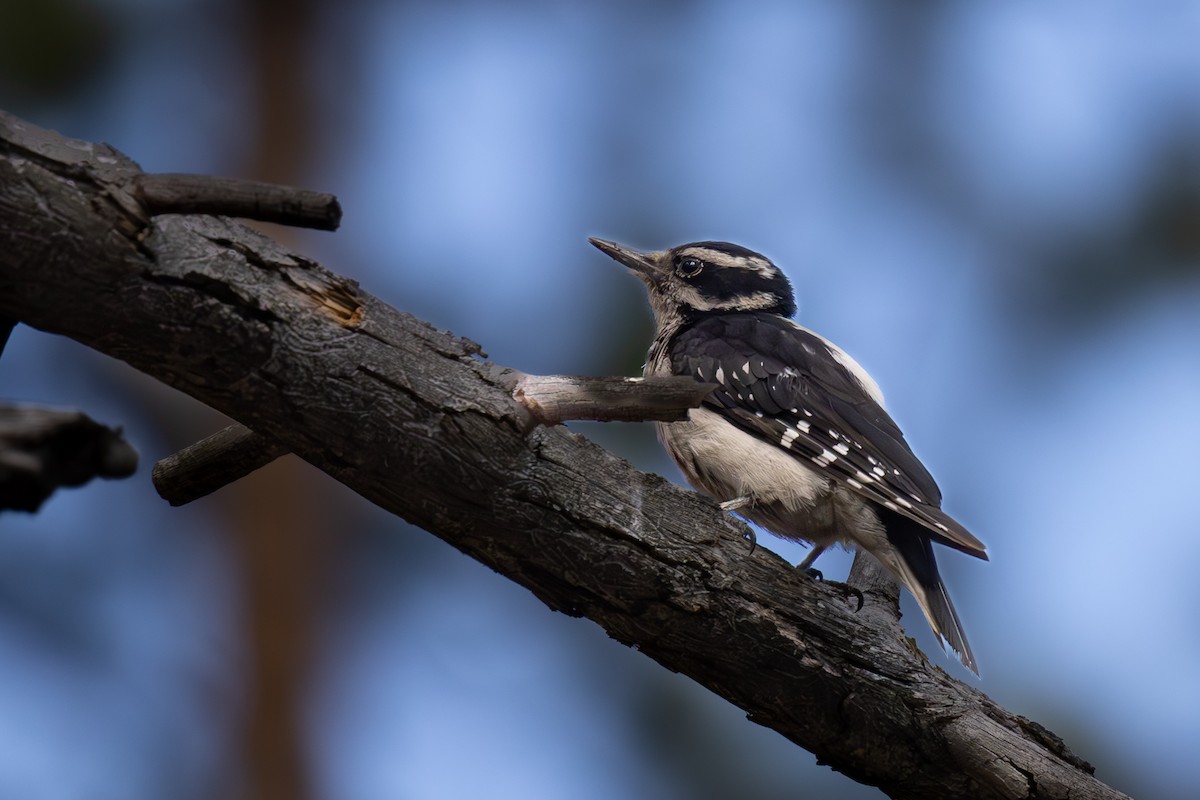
(234, 197)
(410, 418)
(42, 449)
(215, 461)
(236, 451)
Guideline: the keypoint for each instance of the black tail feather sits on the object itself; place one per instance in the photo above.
(912, 542)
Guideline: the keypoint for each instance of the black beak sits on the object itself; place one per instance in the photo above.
(639, 262)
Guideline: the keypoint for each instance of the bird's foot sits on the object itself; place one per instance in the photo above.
(807, 563)
(849, 591)
(736, 503)
(739, 503)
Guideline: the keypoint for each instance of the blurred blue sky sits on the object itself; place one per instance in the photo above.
(995, 207)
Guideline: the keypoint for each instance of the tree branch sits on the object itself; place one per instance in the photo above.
(233, 197)
(6, 329)
(42, 449)
(236, 451)
(554, 399)
(411, 419)
(213, 462)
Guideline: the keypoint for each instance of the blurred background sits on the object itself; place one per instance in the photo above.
(994, 206)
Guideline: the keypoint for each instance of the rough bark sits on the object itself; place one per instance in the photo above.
(218, 460)
(201, 194)
(410, 418)
(236, 451)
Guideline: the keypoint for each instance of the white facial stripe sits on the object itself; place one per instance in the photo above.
(722, 259)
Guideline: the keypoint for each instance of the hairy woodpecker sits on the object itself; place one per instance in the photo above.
(795, 437)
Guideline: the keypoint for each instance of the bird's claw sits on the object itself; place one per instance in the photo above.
(737, 503)
(849, 591)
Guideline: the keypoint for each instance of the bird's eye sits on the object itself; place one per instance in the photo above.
(689, 267)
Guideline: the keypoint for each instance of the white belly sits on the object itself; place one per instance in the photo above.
(790, 499)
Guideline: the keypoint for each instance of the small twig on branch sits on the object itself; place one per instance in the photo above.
(870, 577)
(212, 463)
(173, 193)
(554, 399)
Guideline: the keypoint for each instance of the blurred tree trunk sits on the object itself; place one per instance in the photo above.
(283, 557)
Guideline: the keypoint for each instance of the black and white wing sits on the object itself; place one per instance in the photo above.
(792, 388)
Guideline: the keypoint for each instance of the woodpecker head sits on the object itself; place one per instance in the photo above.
(705, 276)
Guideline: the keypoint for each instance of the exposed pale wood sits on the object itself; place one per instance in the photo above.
(553, 399)
(410, 418)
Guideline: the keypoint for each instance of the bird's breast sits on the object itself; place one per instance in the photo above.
(790, 499)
